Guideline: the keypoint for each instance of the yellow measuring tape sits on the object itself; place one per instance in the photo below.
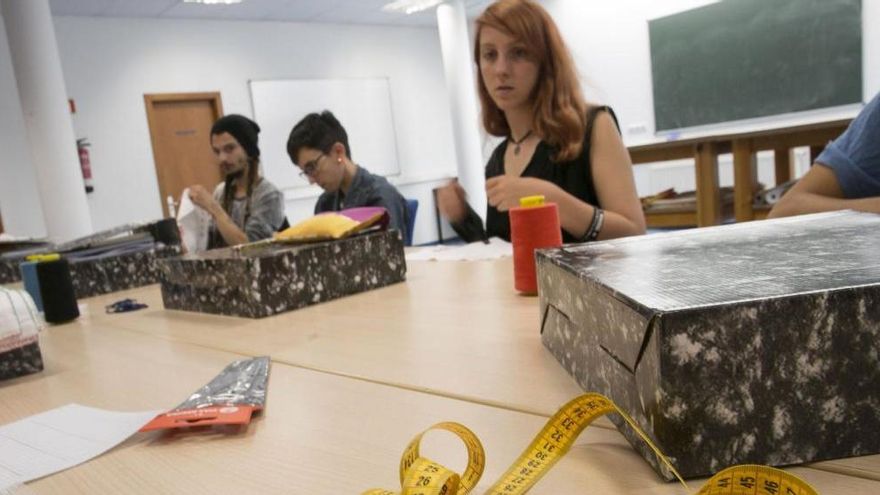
(422, 476)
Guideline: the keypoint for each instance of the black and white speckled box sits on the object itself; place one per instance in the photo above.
(112, 260)
(20, 361)
(273, 279)
(747, 343)
(111, 273)
(11, 254)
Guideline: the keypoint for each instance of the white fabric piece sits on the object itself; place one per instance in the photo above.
(19, 318)
(194, 223)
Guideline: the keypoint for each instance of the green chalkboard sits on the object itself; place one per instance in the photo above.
(740, 59)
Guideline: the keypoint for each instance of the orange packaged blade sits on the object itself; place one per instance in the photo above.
(229, 399)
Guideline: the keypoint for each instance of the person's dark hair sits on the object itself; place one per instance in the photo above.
(318, 131)
(245, 131)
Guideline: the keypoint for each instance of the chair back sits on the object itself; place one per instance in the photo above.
(412, 206)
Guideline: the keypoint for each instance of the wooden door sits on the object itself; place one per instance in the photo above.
(180, 128)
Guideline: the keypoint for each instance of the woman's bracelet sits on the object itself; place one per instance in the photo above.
(595, 225)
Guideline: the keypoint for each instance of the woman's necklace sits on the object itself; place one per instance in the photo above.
(518, 144)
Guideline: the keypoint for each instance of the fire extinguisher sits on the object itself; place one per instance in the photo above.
(84, 162)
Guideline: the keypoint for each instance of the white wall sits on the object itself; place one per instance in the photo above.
(110, 63)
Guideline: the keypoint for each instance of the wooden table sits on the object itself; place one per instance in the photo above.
(744, 145)
(453, 329)
(352, 381)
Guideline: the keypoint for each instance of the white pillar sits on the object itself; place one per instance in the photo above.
(19, 197)
(462, 87)
(49, 128)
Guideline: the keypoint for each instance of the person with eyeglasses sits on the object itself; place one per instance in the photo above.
(318, 146)
(245, 207)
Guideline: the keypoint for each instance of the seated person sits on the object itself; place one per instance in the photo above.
(318, 145)
(845, 176)
(244, 207)
(556, 145)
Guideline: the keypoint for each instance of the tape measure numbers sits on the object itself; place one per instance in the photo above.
(422, 476)
(749, 479)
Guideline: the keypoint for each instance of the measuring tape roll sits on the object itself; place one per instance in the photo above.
(422, 476)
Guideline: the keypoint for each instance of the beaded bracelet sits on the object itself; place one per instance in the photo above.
(595, 225)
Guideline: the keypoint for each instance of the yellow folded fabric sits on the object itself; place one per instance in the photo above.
(326, 226)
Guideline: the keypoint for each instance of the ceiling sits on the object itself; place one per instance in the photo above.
(328, 11)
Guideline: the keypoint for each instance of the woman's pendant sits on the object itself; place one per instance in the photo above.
(517, 145)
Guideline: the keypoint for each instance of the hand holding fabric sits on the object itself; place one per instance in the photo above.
(202, 198)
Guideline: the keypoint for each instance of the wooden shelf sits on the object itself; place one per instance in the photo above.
(760, 212)
(744, 146)
(684, 215)
(671, 219)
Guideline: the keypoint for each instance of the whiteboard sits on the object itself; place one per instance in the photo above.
(362, 106)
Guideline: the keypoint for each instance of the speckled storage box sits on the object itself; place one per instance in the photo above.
(118, 272)
(748, 343)
(265, 281)
(11, 254)
(20, 361)
(9, 272)
(116, 259)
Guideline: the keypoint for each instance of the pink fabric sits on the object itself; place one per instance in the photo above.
(369, 215)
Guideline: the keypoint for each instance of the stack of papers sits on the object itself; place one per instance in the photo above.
(475, 251)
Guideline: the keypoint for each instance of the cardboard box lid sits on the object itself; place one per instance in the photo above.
(731, 263)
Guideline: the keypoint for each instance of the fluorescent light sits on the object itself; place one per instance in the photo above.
(213, 2)
(410, 6)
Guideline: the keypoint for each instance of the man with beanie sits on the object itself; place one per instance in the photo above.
(245, 207)
(318, 145)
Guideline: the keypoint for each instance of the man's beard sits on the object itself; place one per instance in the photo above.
(235, 175)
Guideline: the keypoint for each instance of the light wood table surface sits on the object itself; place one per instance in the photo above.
(320, 433)
(454, 329)
(352, 381)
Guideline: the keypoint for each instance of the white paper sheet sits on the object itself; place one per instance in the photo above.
(61, 438)
(194, 223)
(475, 251)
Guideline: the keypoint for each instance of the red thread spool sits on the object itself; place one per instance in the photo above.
(533, 225)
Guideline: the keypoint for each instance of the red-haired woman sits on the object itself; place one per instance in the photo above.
(556, 144)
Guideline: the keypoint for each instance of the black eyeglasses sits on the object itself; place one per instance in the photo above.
(309, 168)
